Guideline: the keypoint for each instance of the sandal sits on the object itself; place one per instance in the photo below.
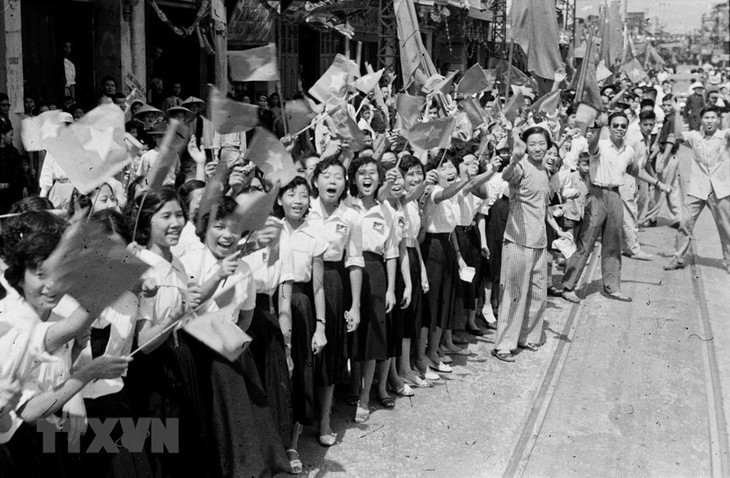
(417, 381)
(294, 462)
(404, 391)
(387, 402)
(441, 367)
(531, 347)
(459, 341)
(503, 356)
(428, 376)
(361, 414)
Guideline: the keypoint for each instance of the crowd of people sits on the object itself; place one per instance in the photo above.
(371, 261)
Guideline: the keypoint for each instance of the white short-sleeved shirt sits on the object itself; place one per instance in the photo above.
(266, 269)
(710, 168)
(148, 160)
(442, 217)
(50, 172)
(378, 229)
(171, 279)
(188, 243)
(401, 224)
(238, 288)
(607, 168)
(468, 204)
(495, 189)
(412, 215)
(38, 370)
(299, 247)
(342, 230)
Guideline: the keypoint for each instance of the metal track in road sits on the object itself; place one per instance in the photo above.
(719, 443)
(719, 447)
(540, 405)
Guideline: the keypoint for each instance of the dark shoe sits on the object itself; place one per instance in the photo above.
(478, 332)
(570, 296)
(554, 291)
(503, 356)
(617, 296)
(675, 225)
(649, 223)
(674, 265)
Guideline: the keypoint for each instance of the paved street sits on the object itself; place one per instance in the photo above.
(618, 390)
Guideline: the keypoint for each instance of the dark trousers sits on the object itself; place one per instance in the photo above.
(605, 215)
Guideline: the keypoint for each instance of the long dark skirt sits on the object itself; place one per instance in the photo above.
(103, 463)
(331, 363)
(269, 353)
(27, 455)
(442, 270)
(246, 433)
(370, 340)
(304, 397)
(470, 247)
(173, 382)
(413, 315)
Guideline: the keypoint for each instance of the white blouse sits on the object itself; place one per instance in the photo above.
(378, 229)
(412, 214)
(189, 242)
(171, 280)
(442, 217)
(238, 288)
(299, 247)
(341, 230)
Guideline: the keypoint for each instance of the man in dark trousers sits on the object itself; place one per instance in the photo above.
(610, 159)
(695, 103)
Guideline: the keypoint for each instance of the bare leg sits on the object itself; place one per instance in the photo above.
(325, 398)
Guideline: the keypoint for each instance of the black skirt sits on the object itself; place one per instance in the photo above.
(411, 318)
(370, 340)
(331, 363)
(303, 325)
(442, 270)
(269, 354)
(173, 381)
(470, 247)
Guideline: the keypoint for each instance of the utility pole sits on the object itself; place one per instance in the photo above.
(219, 26)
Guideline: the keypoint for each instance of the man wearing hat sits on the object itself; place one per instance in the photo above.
(695, 103)
(149, 158)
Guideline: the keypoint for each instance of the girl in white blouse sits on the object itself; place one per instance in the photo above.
(164, 382)
(301, 300)
(243, 428)
(380, 251)
(341, 228)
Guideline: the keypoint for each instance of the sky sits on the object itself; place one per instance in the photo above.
(678, 16)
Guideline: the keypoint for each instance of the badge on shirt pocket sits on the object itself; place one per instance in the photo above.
(341, 229)
(379, 226)
(402, 222)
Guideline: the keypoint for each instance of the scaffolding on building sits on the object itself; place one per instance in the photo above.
(387, 36)
(498, 31)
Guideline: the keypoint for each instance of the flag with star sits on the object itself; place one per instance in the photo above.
(432, 134)
(271, 157)
(87, 151)
(254, 64)
(409, 109)
(254, 207)
(474, 81)
(474, 111)
(332, 86)
(229, 116)
(299, 114)
(368, 82)
(34, 130)
(515, 104)
(346, 127)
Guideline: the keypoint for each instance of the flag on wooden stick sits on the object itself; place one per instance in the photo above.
(432, 134)
(535, 29)
(173, 142)
(254, 64)
(87, 151)
(271, 157)
(409, 109)
(254, 207)
(230, 116)
(474, 81)
(332, 86)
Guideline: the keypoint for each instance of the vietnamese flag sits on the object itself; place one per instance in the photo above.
(535, 29)
(255, 64)
(474, 81)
